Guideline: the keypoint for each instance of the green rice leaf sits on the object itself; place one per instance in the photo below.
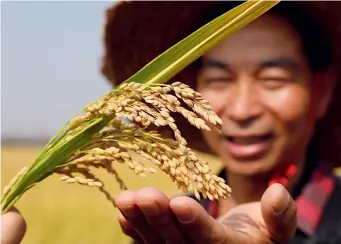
(158, 71)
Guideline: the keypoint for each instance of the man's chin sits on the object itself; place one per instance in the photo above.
(255, 168)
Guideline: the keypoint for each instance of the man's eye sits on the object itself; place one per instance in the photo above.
(275, 77)
(275, 82)
(219, 82)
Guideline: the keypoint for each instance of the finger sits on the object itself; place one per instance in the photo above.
(198, 224)
(128, 229)
(155, 206)
(279, 213)
(125, 201)
(13, 227)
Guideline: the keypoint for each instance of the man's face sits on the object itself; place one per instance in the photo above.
(258, 81)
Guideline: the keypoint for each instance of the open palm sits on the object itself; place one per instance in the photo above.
(149, 216)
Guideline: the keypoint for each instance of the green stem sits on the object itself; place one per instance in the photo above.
(45, 165)
(159, 71)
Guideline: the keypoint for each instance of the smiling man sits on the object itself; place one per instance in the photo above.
(272, 83)
(260, 83)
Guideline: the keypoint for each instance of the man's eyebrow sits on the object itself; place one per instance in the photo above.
(271, 63)
(280, 63)
(211, 63)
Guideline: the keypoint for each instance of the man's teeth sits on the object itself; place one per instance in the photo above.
(246, 140)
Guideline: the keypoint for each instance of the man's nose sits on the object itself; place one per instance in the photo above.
(243, 105)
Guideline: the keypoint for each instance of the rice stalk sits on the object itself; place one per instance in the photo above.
(110, 129)
(144, 107)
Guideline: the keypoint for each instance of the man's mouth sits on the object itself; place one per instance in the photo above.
(252, 139)
(248, 147)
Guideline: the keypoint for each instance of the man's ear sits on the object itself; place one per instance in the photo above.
(327, 80)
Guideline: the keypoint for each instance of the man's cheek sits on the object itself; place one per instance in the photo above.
(212, 138)
(297, 132)
(214, 99)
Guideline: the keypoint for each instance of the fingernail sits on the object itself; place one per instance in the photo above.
(120, 216)
(150, 208)
(184, 213)
(130, 211)
(283, 202)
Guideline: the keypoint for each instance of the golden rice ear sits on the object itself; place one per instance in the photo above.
(87, 133)
(144, 106)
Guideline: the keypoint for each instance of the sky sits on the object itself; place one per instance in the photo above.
(50, 64)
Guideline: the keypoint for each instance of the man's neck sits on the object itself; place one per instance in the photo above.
(246, 189)
(250, 189)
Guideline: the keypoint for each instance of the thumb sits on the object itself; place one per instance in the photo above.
(13, 227)
(279, 213)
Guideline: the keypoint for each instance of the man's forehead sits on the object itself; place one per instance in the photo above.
(266, 33)
(259, 52)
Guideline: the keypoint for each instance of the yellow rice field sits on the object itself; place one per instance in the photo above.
(57, 212)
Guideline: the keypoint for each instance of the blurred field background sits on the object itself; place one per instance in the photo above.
(57, 212)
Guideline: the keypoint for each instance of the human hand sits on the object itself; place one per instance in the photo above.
(149, 216)
(13, 227)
